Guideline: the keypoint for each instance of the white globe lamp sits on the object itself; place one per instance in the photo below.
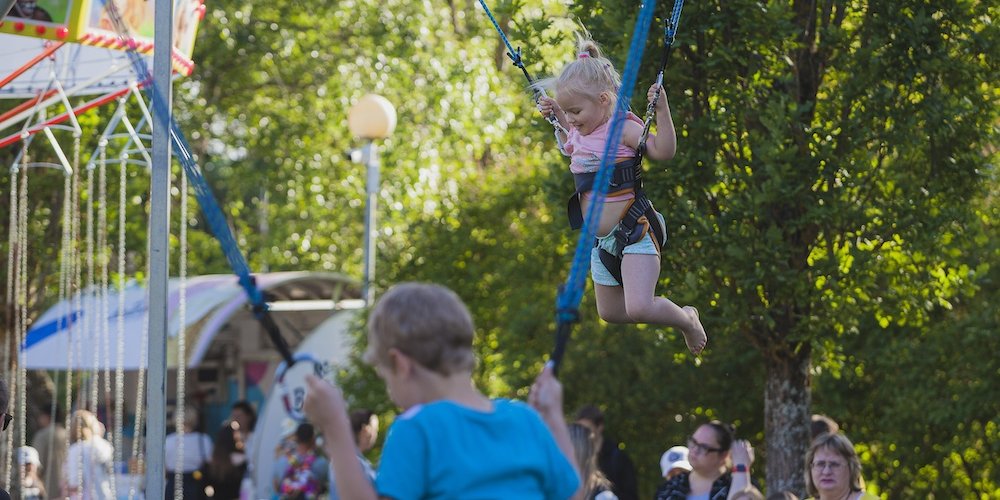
(372, 117)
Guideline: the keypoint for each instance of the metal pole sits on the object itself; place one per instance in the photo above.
(370, 157)
(159, 251)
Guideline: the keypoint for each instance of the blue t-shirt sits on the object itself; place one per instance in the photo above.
(442, 450)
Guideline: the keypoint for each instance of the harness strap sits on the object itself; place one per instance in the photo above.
(626, 176)
(640, 218)
(626, 232)
(625, 172)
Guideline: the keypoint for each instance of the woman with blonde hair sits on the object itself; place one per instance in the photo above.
(833, 470)
(88, 460)
(596, 486)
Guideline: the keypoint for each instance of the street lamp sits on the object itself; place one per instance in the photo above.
(372, 117)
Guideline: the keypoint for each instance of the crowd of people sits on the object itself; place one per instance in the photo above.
(207, 466)
(451, 441)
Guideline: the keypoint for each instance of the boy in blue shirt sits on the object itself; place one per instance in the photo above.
(451, 441)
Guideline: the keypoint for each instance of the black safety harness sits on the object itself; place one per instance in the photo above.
(639, 218)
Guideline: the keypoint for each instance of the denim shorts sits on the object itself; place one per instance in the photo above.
(600, 274)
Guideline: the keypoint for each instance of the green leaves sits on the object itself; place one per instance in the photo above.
(834, 190)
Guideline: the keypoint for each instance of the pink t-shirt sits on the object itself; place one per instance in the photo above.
(585, 152)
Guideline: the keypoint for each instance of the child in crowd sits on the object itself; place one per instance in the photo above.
(625, 265)
(674, 461)
(32, 487)
(304, 470)
(364, 425)
(451, 441)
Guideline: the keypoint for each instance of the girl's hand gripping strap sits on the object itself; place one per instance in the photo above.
(669, 31)
(515, 56)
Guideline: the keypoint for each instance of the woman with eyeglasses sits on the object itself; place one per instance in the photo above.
(833, 470)
(710, 449)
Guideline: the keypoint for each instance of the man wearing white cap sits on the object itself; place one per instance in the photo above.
(674, 461)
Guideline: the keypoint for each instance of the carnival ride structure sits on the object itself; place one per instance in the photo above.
(60, 59)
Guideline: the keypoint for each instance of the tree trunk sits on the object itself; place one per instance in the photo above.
(787, 400)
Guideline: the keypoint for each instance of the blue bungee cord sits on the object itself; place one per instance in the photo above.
(214, 217)
(669, 31)
(515, 56)
(571, 292)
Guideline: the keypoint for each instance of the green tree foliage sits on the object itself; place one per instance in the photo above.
(932, 428)
(829, 151)
(829, 208)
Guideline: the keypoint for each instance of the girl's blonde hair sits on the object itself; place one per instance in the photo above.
(591, 73)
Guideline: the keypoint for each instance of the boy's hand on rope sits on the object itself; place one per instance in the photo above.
(546, 393)
(324, 404)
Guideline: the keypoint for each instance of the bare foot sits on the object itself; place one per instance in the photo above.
(696, 339)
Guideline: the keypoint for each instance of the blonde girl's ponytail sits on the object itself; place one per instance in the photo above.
(590, 73)
(585, 47)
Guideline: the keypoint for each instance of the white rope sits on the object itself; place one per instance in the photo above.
(90, 323)
(88, 396)
(120, 357)
(138, 442)
(181, 343)
(11, 245)
(22, 301)
(13, 270)
(104, 262)
(77, 276)
(12, 239)
(65, 285)
(138, 446)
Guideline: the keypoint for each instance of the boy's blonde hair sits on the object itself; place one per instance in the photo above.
(590, 73)
(427, 322)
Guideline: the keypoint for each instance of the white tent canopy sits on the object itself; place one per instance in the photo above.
(83, 332)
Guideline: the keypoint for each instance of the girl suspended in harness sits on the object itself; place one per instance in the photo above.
(625, 261)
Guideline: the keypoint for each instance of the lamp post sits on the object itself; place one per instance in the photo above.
(372, 117)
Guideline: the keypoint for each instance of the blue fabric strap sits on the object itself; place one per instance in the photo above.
(214, 217)
(571, 293)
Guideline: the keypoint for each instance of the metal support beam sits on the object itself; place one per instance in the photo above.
(159, 255)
